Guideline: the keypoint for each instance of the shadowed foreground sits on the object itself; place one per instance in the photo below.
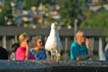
(51, 66)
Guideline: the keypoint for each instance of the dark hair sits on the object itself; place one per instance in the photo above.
(3, 53)
(14, 47)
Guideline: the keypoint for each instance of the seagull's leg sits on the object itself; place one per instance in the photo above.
(48, 53)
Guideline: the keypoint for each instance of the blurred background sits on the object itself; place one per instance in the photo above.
(35, 17)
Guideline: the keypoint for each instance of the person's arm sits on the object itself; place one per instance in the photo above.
(82, 57)
(87, 42)
(75, 53)
(27, 52)
(77, 56)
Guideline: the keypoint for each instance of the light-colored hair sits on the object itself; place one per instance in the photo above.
(78, 34)
(22, 37)
(34, 41)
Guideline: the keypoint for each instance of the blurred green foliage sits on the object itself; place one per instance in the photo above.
(70, 10)
(6, 9)
(97, 20)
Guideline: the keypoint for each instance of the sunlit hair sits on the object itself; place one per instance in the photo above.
(22, 37)
(78, 34)
(34, 41)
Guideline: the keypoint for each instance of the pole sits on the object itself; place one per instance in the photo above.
(101, 54)
(66, 47)
(75, 26)
(4, 41)
(16, 40)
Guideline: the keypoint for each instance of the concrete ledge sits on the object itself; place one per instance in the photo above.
(50, 66)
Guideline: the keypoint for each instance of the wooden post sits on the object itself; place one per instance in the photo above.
(75, 26)
(4, 42)
(100, 50)
(66, 46)
(16, 40)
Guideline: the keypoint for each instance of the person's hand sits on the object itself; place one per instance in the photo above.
(87, 42)
(78, 58)
(27, 52)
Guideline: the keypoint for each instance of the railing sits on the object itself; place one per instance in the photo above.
(8, 35)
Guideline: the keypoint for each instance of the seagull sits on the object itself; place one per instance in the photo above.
(53, 43)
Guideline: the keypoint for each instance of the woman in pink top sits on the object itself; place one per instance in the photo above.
(22, 50)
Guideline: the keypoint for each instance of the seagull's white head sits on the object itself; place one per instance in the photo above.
(54, 26)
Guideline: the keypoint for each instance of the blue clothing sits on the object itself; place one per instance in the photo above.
(41, 55)
(106, 54)
(78, 50)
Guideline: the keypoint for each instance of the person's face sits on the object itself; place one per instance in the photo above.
(39, 43)
(11, 57)
(24, 43)
(81, 37)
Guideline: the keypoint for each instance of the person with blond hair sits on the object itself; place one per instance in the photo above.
(78, 49)
(22, 50)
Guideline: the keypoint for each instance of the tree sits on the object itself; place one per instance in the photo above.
(28, 3)
(6, 9)
(97, 20)
(71, 10)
